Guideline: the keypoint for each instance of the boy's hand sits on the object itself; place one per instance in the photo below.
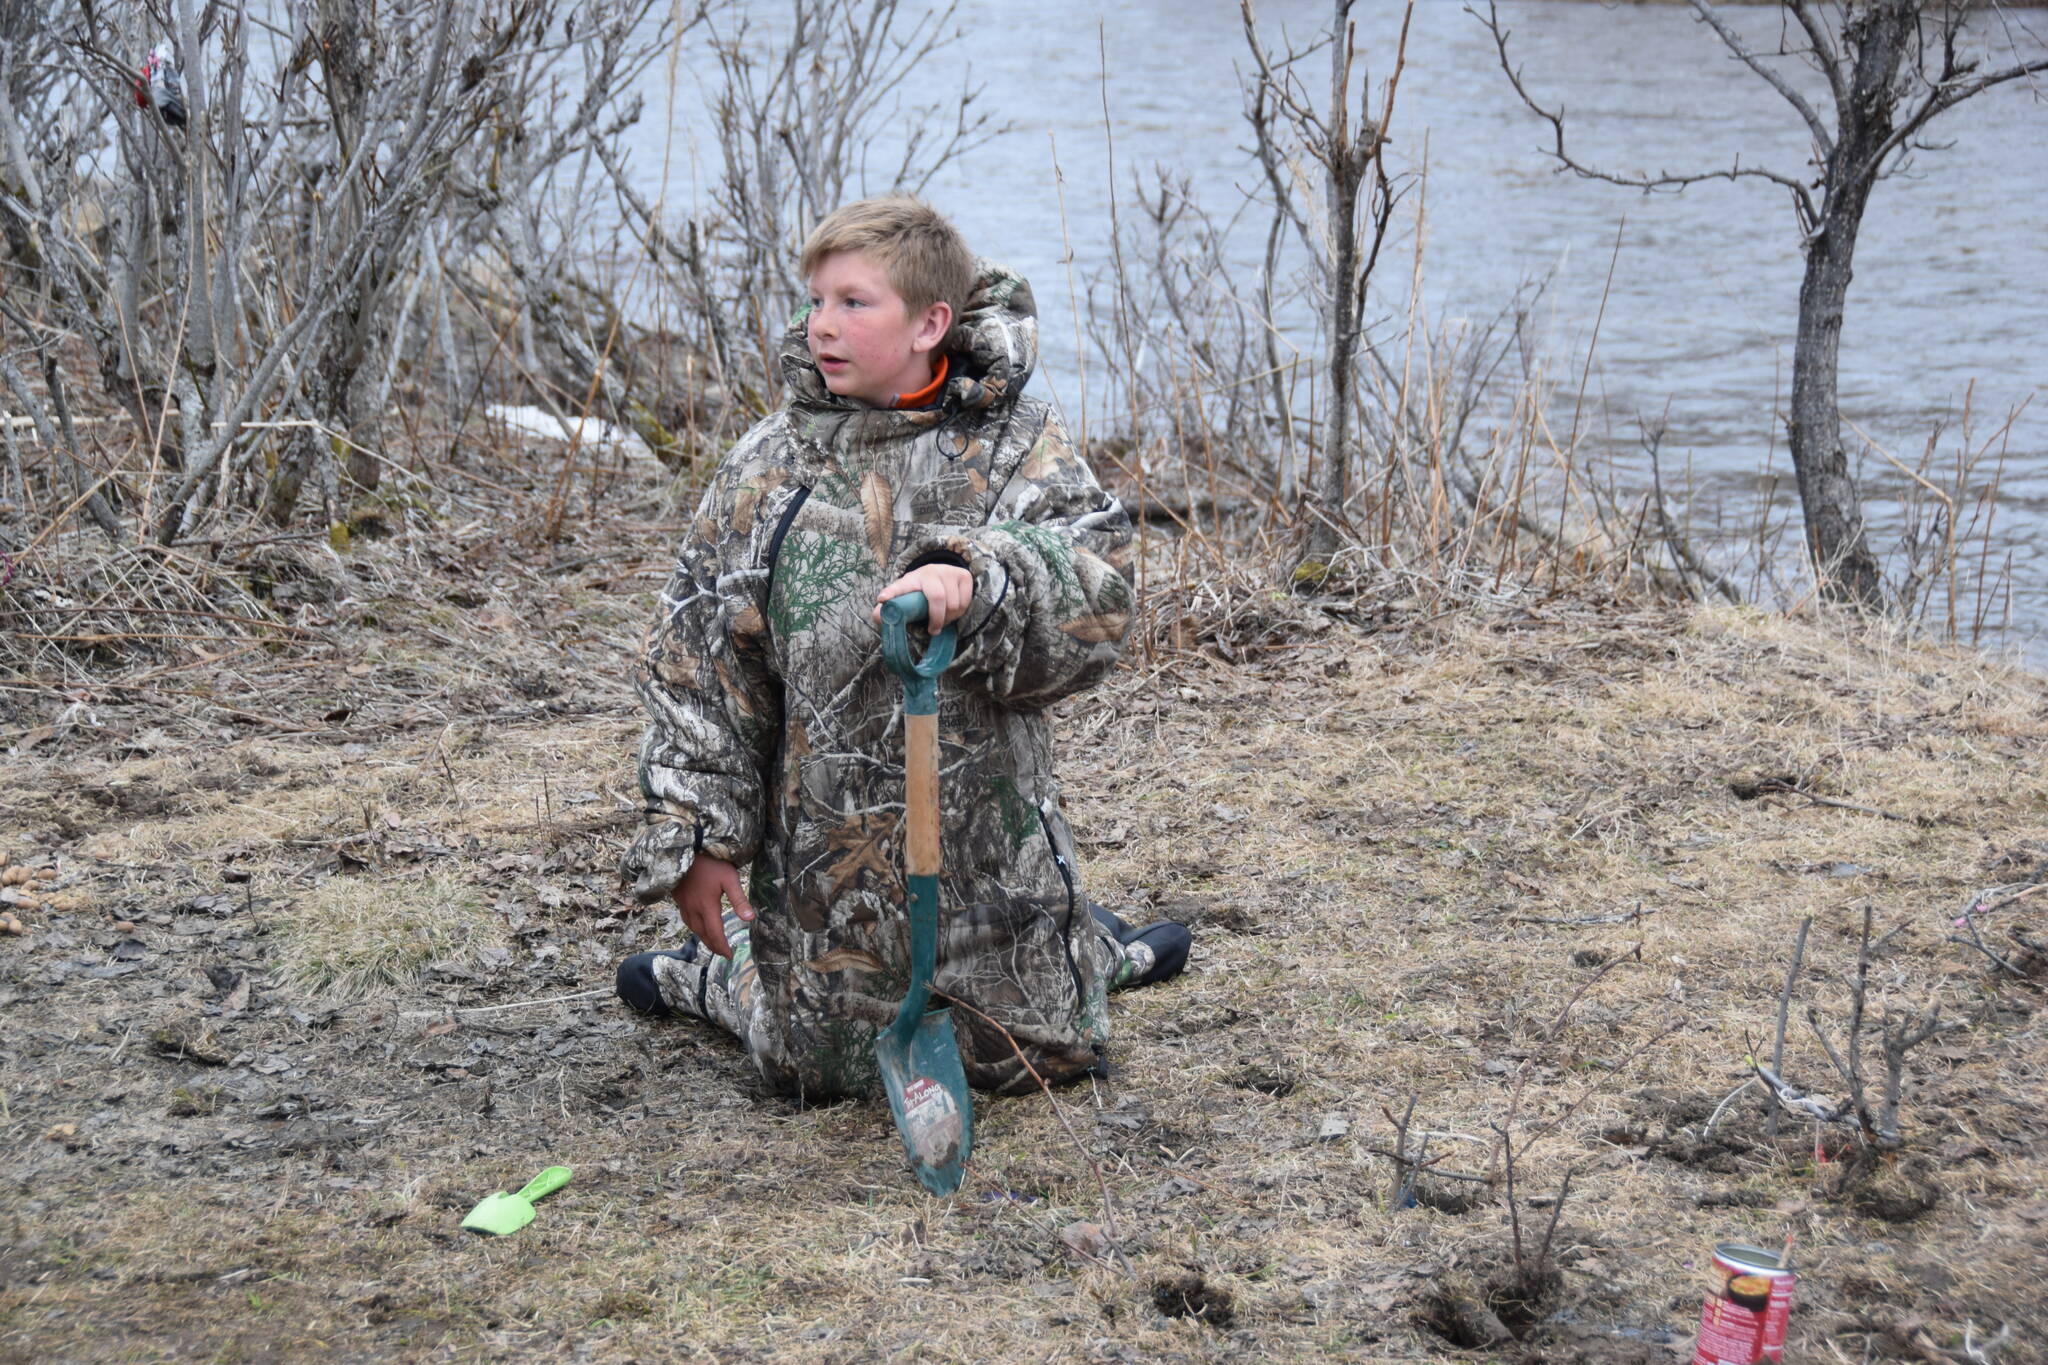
(698, 895)
(947, 587)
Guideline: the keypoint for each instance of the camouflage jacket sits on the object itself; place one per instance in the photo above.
(775, 737)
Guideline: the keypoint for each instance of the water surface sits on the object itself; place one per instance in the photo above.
(1948, 300)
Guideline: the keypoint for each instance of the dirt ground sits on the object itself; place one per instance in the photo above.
(326, 954)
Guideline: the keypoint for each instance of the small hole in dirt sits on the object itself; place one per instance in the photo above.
(1749, 786)
(1264, 1080)
(1446, 1196)
(1895, 1193)
(1192, 1296)
(1233, 919)
(1474, 1314)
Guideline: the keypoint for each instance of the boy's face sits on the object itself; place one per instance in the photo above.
(862, 335)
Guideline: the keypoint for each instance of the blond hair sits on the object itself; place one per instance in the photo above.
(921, 253)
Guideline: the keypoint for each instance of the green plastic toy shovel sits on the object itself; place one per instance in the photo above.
(503, 1214)
(918, 1054)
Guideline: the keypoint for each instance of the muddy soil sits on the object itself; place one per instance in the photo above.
(1533, 868)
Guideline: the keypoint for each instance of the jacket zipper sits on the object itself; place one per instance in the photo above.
(782, 526)
(775, 541)
(1059, 861)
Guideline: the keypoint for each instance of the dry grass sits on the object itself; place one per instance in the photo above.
(350, 937)
(1402, 837)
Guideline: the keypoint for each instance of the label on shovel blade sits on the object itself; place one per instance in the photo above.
(931, 1122)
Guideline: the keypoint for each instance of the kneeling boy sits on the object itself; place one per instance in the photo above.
(906, 458)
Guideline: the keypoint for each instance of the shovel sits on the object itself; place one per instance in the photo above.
(918, 1054)
(503, 1214)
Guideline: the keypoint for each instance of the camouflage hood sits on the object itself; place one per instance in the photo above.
(993, 348)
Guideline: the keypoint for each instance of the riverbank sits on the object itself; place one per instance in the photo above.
(297, 999)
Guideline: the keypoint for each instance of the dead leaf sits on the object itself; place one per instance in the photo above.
(1087, 1240)
(878, 511)
(1095, 630)
(188, 1040)
(439, 1027)
(846, 960)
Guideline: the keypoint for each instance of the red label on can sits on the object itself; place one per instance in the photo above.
(1743, 1319)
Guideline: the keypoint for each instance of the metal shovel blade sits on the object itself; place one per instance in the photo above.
(928, 1096)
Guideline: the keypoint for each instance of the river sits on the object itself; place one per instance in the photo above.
(1948, 300)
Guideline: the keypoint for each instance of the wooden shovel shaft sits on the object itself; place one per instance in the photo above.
(921, 795)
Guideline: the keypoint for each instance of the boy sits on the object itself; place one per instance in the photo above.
(905, 458)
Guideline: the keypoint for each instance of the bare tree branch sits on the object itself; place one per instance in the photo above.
(1824, 53)
(1733, 41)
(1663, 180)
(1946, 95)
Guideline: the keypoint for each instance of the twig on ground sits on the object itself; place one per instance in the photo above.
(1634, 954)
(1985, 1351)
(1116, 1235)
(1722, 1107)
(1967, 921)
(1977, 942)
(1793, 789)
(508, 1005)
(1986, 907)
(1418, 1163)
(1628, 918)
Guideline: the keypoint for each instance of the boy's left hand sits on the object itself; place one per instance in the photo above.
(947, 587)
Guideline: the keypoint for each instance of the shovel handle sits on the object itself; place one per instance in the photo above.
(920, 738)
(545, 1184)
(921, 792)
(921, 796)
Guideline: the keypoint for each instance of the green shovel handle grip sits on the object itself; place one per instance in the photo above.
(920, 675)
(545, 1184)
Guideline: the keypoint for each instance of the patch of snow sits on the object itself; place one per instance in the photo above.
(593, 433)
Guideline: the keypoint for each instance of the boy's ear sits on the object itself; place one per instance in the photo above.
(932, 326)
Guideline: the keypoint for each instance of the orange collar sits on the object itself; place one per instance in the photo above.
(927, 395)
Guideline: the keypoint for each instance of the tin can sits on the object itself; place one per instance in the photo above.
(1743, 1319)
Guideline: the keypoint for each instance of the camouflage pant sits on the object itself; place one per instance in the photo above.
(723, 991)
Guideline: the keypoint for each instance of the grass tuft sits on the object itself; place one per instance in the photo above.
(349, 938)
